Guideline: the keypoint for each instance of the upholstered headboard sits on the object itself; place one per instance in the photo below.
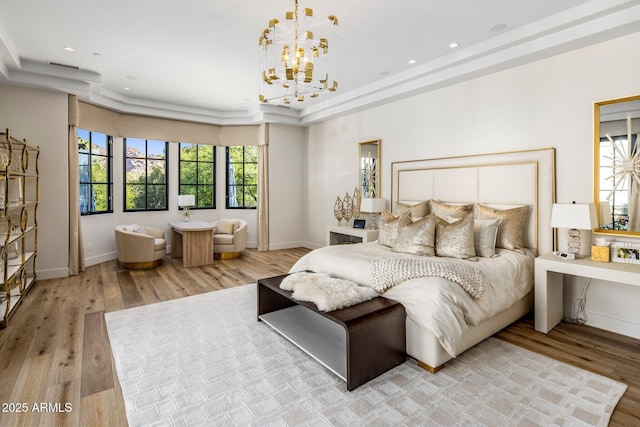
(500, 180)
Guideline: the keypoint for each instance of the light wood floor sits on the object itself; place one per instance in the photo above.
(56, 351)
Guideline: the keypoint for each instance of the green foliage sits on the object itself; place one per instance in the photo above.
(244, 160)
(197, 173)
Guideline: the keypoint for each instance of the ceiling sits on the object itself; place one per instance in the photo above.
(198, 59)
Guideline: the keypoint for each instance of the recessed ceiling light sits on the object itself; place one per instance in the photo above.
(68, 48)
(497, 28)
(96, 54)
(384, 73)
(453, 45)
(412, 61)
(130, 77)
(127, 88)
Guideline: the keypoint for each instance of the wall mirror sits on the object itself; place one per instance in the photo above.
(617, 165)
(370, 169)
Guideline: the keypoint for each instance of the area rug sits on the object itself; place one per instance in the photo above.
(206, 360)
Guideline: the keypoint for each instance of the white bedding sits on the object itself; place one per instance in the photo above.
(437, 305)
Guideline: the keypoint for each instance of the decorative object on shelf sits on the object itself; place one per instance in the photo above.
(185, 201)
(600, 251)
(356, 200)
(372, 206)
(337, 210)
(4, 159)
(624, 252)
(575, 217)
(294, 57)
(347, 208)
(15, 190)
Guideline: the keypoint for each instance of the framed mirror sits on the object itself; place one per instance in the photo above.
(370, 169)
(617, 165)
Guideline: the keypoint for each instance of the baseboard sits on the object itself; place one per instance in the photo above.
(89, 261)
(624, 327)
(53, 273)
(285, 245)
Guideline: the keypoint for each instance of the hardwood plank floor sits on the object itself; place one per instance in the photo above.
(56, 351)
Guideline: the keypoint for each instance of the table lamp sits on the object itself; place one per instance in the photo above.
(575, 217)
(373, 207)
(185, 201)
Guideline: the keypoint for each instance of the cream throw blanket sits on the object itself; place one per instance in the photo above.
(389, 272)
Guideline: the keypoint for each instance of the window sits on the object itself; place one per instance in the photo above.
(197, 173)
(242, 177)
(145, 170)
(94, 163)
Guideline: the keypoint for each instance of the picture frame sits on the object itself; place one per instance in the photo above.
(627, 253)
(359, 223)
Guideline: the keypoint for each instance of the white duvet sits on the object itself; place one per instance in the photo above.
(437, 305)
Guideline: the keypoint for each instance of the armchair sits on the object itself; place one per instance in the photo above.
(140, 247)
(229, 238)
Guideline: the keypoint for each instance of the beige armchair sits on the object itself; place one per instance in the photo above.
(140, 247)
(229, 238)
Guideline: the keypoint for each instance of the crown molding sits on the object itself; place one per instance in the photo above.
(593, 22)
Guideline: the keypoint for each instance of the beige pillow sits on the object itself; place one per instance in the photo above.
(388, 230)
(485, 232)
(416, 237)
(444, 210)
(511, 228)
(455, 239)
(227, 226)
(418, 211)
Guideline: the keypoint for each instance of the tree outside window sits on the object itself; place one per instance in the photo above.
(242, 177)
(95, 161)
(197, 173)
(145, 165)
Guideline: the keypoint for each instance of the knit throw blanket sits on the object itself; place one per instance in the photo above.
(392, 271)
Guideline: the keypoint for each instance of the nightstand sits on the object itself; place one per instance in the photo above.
(549, 270)
(345, 234)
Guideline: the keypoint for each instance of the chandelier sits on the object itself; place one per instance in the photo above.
(294, 57)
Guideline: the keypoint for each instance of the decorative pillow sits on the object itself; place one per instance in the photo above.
(418, 211)
(511, 228)
(485, 232)
(227, 226)
(444, 210)
(416, 237)
(135, 228)
(388, 230)
(455, 239)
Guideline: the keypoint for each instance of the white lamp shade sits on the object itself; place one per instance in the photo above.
(370, 205)
(186, 200)
(581, 216)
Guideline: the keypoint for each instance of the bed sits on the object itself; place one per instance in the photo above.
(444, 317)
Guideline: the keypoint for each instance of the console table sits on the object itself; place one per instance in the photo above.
(357, 343)
(344, 234)
(193, 241)
(549, 271)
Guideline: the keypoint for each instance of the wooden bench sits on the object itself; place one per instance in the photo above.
(357, 343)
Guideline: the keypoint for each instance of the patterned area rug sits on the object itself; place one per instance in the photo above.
(205, 360)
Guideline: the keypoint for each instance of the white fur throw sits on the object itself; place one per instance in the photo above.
(326, 292)
(392, 271)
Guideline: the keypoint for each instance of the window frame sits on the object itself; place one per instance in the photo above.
(146, 184)
(243, 185)
(90, 182)
(198, 162)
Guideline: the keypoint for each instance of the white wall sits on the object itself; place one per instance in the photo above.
(40, 117)
(548, 103)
